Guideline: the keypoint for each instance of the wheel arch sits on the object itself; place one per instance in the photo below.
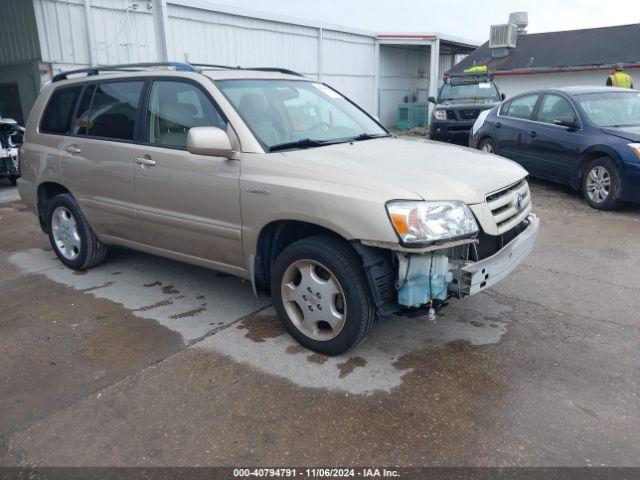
(487, 136)
(46, 191)
(590, 154)
(274, 237)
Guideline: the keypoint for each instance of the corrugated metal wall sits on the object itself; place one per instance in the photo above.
(18, 32)
(123, 32)
(214, 37)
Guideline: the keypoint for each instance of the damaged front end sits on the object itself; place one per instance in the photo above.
(413, 281)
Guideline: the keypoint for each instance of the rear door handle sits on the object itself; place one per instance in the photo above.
(145, 161)
(73, 148)
(532, 134)
(498, 125)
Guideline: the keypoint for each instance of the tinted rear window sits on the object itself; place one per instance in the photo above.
(114, 110)
(57, 115)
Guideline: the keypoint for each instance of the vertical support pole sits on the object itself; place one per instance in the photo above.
(160, 23)
(434, 73)
(320, 54)
(91, 43)
(376, 77)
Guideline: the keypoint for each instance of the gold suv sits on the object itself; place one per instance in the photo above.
(276, 178)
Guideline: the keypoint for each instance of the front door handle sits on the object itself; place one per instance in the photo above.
(73, 148)
(145, 161)
(532, 134)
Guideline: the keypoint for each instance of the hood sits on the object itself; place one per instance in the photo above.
(631, 133)
(430, 170)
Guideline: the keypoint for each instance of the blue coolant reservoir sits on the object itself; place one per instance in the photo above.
(422, 278)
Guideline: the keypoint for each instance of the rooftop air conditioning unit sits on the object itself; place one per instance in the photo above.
(503, 36)
(521, 20)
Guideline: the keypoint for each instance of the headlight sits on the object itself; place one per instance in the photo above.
(440, 114)
(635, 147)
(425, 222)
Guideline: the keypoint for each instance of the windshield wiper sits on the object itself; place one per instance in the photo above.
(302, 143)
(369, 136)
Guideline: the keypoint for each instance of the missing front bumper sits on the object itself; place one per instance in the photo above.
(476, 276)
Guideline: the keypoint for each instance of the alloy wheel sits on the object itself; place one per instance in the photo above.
(487, 147)
(65, 233)
(313, 299)
(598, 184)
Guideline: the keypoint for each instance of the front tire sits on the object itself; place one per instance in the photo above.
(601, 185)
(321, 295)
(71, 236)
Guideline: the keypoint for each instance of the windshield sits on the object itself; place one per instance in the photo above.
(473, 92)
(293, 113)
(611, 109)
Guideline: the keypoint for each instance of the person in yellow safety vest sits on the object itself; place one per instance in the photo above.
(619, 78)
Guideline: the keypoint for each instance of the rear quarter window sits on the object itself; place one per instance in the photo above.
(57, 115)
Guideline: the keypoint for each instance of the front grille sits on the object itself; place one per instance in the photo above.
(469, 114)
(510, 205)
(451, 115)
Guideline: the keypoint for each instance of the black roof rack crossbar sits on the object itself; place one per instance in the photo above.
(255, 69)
(126, 67)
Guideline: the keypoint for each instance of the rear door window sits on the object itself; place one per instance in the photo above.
(113, 111)
(57, 116)
(554, 106)
(522, 107)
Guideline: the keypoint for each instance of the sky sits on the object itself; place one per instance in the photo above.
(469, 19)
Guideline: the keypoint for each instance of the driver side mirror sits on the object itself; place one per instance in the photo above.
(431, 100)
(210, 141)
(570, 122)
(503, 96)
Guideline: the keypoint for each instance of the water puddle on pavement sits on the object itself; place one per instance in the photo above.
(378, 364)
(186, 299)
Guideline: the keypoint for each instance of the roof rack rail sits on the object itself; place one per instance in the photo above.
(131, 67)
(255, 69)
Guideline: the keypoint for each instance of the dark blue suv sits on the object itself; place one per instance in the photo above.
(586, 137)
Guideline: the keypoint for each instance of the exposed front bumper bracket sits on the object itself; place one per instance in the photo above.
(476, 276)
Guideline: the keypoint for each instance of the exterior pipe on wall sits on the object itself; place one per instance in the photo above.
(91, 43)
(160, 23)
(320, 53)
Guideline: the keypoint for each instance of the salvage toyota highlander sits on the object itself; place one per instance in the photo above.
(270, 176)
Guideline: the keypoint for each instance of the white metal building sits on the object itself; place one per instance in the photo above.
(42, 37)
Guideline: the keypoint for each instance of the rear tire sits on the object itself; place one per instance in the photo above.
(487, 145)
(321, 295)
(601, 185)
(71, 236)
